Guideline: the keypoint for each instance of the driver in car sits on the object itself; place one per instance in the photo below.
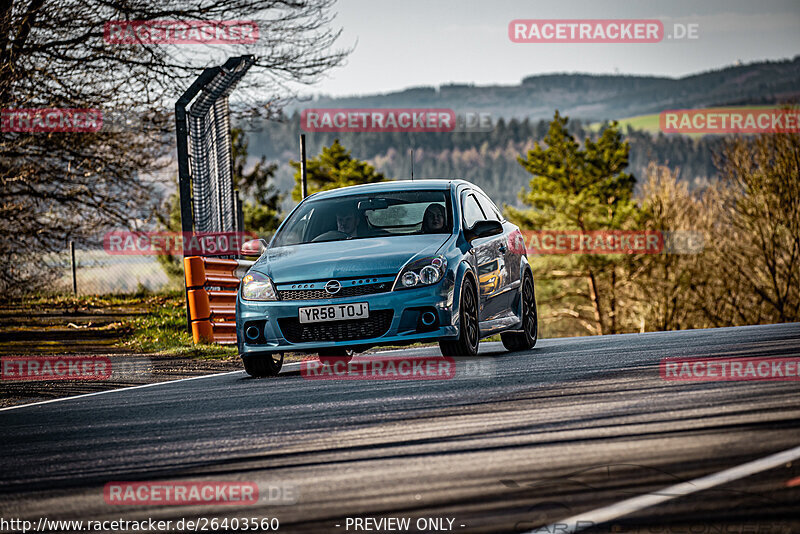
(434, 219)
(346, 225)
(346, 221)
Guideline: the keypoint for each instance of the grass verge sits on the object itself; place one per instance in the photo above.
(162, 330)
(154, 323)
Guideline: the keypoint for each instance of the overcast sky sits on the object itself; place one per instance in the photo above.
(405, 43)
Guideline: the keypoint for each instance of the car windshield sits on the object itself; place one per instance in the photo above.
(368, 215)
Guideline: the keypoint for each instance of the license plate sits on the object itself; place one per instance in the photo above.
(333, 312)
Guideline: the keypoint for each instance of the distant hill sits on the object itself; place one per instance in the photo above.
(522, 113)
(596, 97)
(488, 159)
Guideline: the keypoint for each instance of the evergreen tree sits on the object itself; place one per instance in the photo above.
(332, 169)
(260, 199)
(581, 187)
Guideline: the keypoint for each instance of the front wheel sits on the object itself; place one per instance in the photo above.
(468, 331)
(263, 366)
(530, 328)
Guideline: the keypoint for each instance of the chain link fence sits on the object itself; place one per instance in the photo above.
(97, 273)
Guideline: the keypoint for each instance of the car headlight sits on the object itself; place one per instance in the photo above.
(422, 272)
(257, 286)
(410, 279)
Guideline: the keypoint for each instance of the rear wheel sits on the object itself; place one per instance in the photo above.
(336, 355)
(530, 328)
(468, 331)
(263, 366)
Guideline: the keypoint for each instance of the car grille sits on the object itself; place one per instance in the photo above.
(376, 325)
(347, 291)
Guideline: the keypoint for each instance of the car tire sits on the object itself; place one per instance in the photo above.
(526, 339)
(263, 366)
(469, 328)
(332, 356)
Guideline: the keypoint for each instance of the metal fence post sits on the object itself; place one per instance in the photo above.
(74, 278)
(303, 178)
(239, 216)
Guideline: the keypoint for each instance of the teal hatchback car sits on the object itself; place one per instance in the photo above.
(385, 263)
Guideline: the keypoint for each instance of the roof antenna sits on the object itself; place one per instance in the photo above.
(412, 164)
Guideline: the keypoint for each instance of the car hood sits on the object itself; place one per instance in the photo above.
(346, 259)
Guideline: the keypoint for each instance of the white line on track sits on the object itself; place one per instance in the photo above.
(585, 520)
(287, 368)
(62, 399)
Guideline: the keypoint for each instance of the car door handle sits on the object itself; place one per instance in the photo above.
(503, 249)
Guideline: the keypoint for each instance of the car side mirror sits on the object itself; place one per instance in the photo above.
(254, 247)
(483, 229)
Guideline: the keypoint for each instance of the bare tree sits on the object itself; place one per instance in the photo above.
(757, 239)
(666, 285)
(67, 185)
(749, 269)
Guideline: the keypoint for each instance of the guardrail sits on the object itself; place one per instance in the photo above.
(212, 284)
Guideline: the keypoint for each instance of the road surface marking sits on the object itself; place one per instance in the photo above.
(579, 522)
(287, 368)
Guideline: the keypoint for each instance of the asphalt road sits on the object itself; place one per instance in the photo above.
(571, 426)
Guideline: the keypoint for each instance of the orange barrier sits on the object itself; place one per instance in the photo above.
(213, 311)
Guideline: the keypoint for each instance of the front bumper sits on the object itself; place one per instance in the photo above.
(406, 307)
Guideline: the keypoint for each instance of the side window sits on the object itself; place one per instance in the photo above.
(489, 208)
(472, 211)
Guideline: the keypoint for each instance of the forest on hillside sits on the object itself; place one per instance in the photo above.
(488, 159)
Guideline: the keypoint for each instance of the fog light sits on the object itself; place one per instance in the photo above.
(252, 333)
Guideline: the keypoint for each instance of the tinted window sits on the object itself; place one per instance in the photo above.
(487, 268)
(489, 208)
(472, 211)
(368, 215)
